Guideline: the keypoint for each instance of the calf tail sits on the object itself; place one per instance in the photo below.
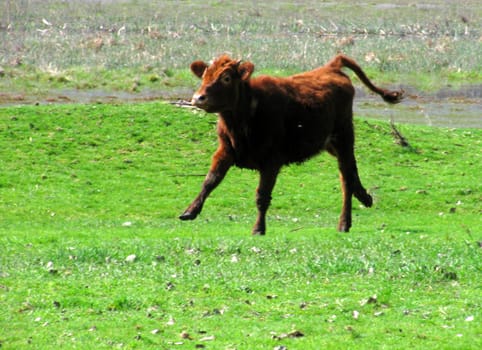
(341, 61)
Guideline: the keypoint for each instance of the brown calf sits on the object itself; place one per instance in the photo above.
(267, 122)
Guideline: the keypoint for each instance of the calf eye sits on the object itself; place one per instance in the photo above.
(226, 79)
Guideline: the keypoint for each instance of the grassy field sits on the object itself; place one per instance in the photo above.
(93, 255)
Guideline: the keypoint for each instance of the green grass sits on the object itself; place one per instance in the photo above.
(82, 187)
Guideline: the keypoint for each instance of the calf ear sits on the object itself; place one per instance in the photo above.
(198, 68)
(245, 69)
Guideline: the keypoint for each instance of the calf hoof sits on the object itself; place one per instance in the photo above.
(187, 215)
(343, 227)
(259, 229)
(365, 199)
(368, 201)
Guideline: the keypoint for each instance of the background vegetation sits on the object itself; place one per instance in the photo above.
(141, 45)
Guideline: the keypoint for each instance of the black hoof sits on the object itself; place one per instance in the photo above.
(369, 201)
(344, 227)
(187, 216)
(365, 199)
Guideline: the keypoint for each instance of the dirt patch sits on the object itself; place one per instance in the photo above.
(93, 96)
(447, 107)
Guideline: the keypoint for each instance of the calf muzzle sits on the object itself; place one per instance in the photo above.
(199, 100)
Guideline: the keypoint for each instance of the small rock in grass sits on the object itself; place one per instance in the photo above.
(131, 258)
(256, 250)
(208, 338)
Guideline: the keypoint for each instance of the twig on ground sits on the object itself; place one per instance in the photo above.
(399, 138)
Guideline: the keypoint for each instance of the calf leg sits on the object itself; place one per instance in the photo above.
(342, 148)
(263, 198)
(351, 185)
(221, 163)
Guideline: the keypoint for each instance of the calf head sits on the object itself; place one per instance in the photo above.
(221, 83)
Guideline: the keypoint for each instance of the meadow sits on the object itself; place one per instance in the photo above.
(92, 255)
